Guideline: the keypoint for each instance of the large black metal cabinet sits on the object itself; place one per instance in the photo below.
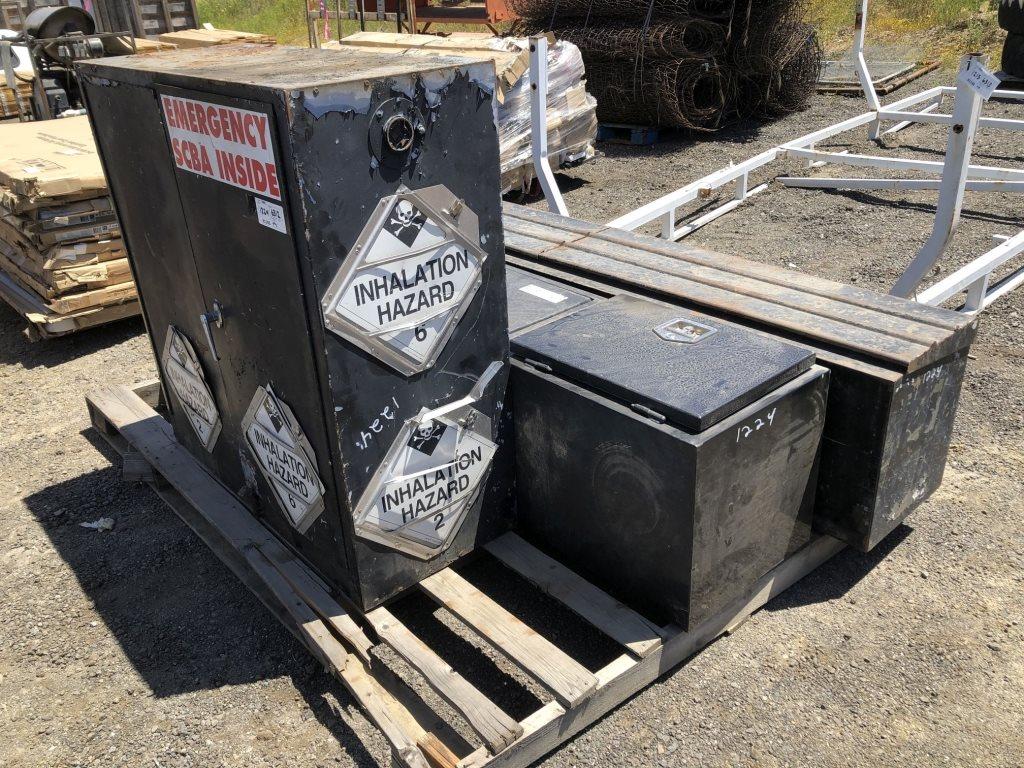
(317, 243)
(667, 457)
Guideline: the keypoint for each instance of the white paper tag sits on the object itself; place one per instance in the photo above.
(543, 293)
(983, 82)
(270, 215)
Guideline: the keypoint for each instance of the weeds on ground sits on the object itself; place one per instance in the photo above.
(944, 29)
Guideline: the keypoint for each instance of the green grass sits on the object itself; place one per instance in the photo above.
(284, 19)
(942, 29)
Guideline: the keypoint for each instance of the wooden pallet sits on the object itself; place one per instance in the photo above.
(637, 135)
(339, 636)
(45, 323)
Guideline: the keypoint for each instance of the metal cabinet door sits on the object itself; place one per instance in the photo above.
(242, 243)
(136, 158)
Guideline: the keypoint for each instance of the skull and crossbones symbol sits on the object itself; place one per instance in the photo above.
(403, 216)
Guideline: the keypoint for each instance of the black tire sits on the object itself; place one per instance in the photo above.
(1013, 55)
(1011, 16)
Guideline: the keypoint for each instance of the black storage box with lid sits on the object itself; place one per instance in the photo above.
(534, 300)
(316, 240)
(896, 366)
(665, 456)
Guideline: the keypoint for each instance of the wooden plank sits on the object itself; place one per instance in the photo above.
(569, 681)
(572, 228)
(552, 725)
(381, 708)
(619, 622)
(496, 728)
(437, 754)
(152, 437)
(828, 332)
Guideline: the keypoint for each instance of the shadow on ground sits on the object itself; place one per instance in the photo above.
(182, 619)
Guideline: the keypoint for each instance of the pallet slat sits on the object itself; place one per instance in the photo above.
(569, 681)
(347, 667)
(153, 437)
(553, 725)
(621, 623)
(243, 544)
(496, 728)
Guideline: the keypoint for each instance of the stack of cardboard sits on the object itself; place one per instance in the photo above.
(62, 262)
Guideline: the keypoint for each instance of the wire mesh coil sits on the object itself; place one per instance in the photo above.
(683, 93)
(611, 40)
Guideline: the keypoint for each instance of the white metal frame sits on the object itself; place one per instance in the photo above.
(957, 175)
(539, 124)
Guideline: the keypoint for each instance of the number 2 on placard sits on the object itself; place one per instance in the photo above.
(438, 521)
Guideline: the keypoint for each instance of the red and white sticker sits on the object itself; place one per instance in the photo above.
(226, 144)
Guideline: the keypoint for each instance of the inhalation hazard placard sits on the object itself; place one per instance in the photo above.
(285, 458)
(230, 145)
(184, 378)
(427, 482)
(411, 273)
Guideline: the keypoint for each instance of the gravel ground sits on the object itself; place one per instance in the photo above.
(136, 647)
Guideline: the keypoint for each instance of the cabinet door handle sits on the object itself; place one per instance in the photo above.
(215, 317)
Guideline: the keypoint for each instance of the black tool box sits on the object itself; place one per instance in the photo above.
(666, 456)
(533, 300)
(896, 366)
(316, 239)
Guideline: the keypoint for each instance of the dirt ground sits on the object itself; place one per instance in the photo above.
(136, 647)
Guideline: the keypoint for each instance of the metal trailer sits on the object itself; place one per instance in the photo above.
(317, 244)
(956, 176)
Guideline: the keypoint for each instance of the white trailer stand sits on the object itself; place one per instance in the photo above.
(957, 176)
(539, 124)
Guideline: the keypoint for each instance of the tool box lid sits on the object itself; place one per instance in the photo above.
(533, 299)
(690, 369)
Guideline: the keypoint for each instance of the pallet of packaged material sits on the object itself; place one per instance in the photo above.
(51, 159)
(15, 102)
(201, 38)
(43, 236)
(44, 323)
(50, 281)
